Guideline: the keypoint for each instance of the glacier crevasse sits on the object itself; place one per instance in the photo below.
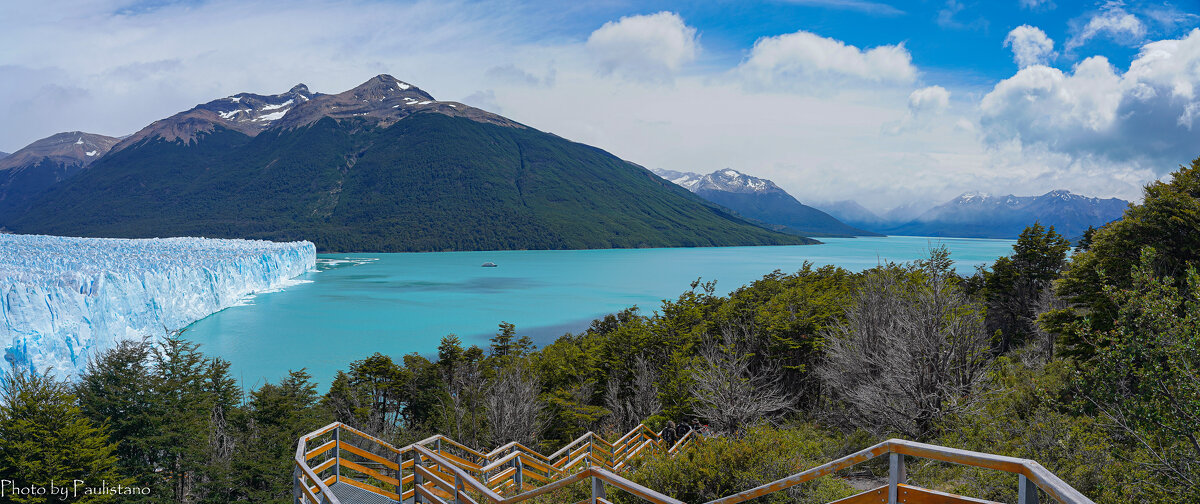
(63, 300)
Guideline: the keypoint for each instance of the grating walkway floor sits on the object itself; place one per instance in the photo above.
(353, 495)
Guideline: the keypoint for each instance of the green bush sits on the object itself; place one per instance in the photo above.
(720, 466)
(1028, 414)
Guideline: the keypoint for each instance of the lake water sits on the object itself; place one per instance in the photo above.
(358, 304)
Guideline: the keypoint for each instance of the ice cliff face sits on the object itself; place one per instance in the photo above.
(63, 300)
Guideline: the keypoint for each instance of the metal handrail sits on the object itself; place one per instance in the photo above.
(510, 465)
(433, 468)
(1032, 475)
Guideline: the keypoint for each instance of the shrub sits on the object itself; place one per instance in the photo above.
(720, 466)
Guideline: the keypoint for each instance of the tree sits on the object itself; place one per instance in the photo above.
(1018, 288)
(45, 440)
(628, 409)
(382, 385)
(514, 412)
(119, 389)
(347, 403)
(729, 395)
(568, 369)
(913, 349)
(1145, 376)
(183, 402)
(277, 416)
(217, 478)
(507, 347)
(462, 402)
(1168, 220)
(171, 412)
(785, 316)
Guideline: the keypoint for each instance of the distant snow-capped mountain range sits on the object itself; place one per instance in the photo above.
(984, 215)
(760, 199)
(971, 215)
(728, 180)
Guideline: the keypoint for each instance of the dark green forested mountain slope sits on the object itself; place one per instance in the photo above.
(27, 173)
(427, 182)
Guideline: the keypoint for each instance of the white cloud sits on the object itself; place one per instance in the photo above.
(869, 7)
(932, 99)
(1141, 119)
(1167, 17)
(1030, 46)
(1037, 4)
(649, 47)
(1113, 22)
(923, 105)
(805, 59)
(511, 74)
(948, 17)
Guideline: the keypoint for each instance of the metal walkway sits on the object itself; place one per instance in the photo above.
(352, 494)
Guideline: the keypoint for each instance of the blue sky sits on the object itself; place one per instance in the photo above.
(884, 102)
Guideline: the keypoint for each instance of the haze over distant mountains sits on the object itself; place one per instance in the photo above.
(761, 200)
(381, 167)
(982, 215)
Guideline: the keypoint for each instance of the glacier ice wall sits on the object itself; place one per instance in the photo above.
(63, 300)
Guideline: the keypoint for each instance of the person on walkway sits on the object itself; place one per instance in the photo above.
(668, 434)
(682, 430)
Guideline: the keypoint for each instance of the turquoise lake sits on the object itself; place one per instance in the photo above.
(356, 304)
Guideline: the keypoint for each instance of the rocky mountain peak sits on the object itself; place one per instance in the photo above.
(69, 148)
(731, 180)
(384, 86)
(382, 100)
(728, 180)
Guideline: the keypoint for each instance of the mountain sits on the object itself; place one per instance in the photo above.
(246, 113)
(853, 214)
(3, 155)
(761, 200)
(907, 211)
(29, 172)
(382, 167)
(981, 215)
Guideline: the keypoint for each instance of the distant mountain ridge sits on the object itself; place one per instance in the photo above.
(32, 170)
(762, 200)
(383, 100)
(983, 215)
(382, 167)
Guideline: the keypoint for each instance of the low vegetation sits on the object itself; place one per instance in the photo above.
(1086, 363)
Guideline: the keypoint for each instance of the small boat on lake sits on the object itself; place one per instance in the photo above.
(489, 264)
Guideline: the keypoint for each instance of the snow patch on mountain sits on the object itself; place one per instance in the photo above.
(277, 107)
(63, 300)
(728, 180)
(272, 116)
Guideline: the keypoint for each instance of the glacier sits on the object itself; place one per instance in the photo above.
(64, 300)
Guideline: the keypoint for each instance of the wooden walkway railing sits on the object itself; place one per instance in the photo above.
(439, 470)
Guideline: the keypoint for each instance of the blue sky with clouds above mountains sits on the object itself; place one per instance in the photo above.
(881, 101)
